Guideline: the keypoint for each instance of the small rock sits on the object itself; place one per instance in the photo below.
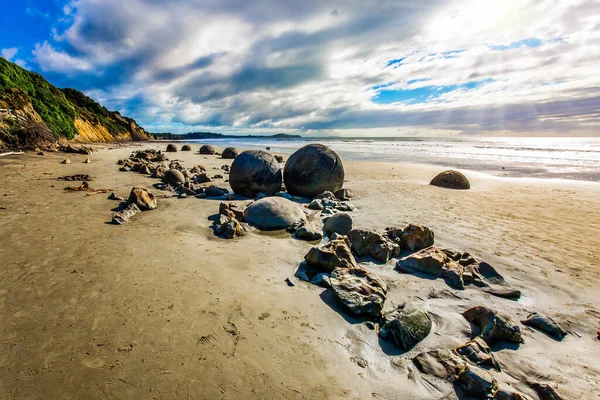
(493, 326)
(113, 196)
(546, 325)
(321, 280)
(478, 352)
(545, 391)
(124, 216)
(183, 196)
(213, 191)
(142, 198)
(228, 227)
(371, 243)
(289, 282)
(40, 153)
(308, 232)
(417, 237)
(66, 161)
(340, 223)
(284, 195)
(87, 161)
(406, 327)
(342, 195)
(331, 255)
(361, 291)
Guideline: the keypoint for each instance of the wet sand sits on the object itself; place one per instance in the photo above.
(161, 308)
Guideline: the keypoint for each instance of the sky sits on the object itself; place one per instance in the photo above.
(323, 67)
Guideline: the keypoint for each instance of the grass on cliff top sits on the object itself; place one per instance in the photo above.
(48, 101)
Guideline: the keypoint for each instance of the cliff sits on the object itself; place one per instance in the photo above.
(33, 111)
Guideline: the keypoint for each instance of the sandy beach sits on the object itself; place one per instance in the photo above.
(161, 308)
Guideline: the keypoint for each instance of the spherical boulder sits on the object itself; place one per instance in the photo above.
(186, 147)
(340, 223)
(273, 213)
(207, 149)
(230, 153)
(171, 148)
(451, 180)
(253, 172)
(173, 177)
(312, 170)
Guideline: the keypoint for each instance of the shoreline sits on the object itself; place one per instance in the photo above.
(162, 307)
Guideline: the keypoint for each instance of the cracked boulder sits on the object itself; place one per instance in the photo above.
(313, 169)
(359, 290)
(142, 198)
(417, 237)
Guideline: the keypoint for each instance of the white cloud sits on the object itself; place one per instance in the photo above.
(316, 64)
(9, 53)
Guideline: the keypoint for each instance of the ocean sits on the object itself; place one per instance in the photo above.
(564, 158)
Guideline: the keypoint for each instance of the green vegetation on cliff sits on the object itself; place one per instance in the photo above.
(59, 108)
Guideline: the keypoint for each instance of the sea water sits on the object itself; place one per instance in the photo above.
(566, 158)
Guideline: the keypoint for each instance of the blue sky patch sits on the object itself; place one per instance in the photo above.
(423, 94)
(530, 42)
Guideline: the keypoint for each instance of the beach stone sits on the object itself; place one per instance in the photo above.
(228, 227)
(202, 178)
(546, 325)
(476, 383)
(406, 327)
(253, 172)
(186, 147)
(145, 170)
(87, 161)
(545, 391)
(478, 352)
(142, 198)
(417, 237)
(322, 280)
(230, 153)
(340, 223)
(213, 191)
(124, 216)
(273, 213)
(368, 242)
(451, 180)
(171, 148)
(279, 159)
(442, 363)
(342, 195)
(494, 327)
(361, 291)
(232, 210)
(430, 261)
(173, 177)
(113, 196)
(331, 255)
(308, 232)
(66, 161)
(313, 169)
(160, 157)
(207, 149)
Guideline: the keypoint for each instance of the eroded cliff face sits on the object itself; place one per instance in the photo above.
(32, 110)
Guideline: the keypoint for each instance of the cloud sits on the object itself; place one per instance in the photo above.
(462, 65)
(9, 53)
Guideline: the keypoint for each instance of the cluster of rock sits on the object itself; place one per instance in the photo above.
(329, 203)
(229, 221)
(86, 150)
(143, 161)
(458, 270)
(139, 200)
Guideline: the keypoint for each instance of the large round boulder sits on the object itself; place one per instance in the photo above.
(273, 213)
(230, 153)
(186, 147)
(312, 170)
(451, 180)
(207, 149)
(340, 223)
(171, 148)
(253, 172)
(173, 177)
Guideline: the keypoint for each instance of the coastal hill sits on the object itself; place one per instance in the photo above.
(211, 135)
(33, 111)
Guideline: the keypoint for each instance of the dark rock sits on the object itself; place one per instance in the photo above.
(228, 227)
(406, 327)
(545, 391)
(494, 327)
(213, 191)
(279, 159)
(142, 198)
(171, 148)
(231, 210)
(478, 352)
(207, 149)
(202, 178)
(218, 176)
(160, 171)
(289, 282)
(198, 169)
(173, 177)
(113, 196)
(322, 280)
(145, 170)
(186, 147)
(451, 180)
(546, 325)
(77, 177)
(340, 223)
(342, 195)
(361, 291)
(368, 242)
(230, 153)
(124, 216)
(331, 255)
(313, 169)
(476, 383)
(253, 172)
(308, 232)
(273, 213)
(417, 237)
